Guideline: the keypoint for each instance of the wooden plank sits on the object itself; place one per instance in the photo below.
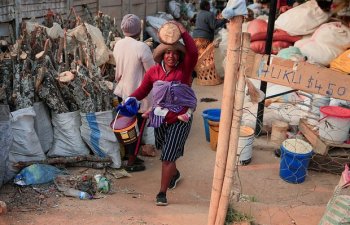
(321, 147)
(7, 2)
(302, 76)
(151, 8)
(137, 2)
(318, 145)
(162, 5)
(110, 3)
(81, 2)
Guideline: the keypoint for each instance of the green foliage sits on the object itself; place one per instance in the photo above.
(235, 216)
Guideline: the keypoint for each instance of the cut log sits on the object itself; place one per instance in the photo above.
(16, 94)
(65, 160)
(81, 88)
(50, 94)
(94, 165)
(6, 80)
(41, 54)
(65, 77)
(23, 55)
(26, 86)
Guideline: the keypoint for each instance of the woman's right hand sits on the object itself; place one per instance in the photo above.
(180, 26)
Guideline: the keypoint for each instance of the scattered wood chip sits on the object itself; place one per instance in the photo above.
(65, 77)
(119, 173)
(208, 100)
(3, 208)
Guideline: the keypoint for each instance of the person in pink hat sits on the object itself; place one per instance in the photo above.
(132, 59)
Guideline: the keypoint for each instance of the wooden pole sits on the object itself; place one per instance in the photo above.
(234, 137)
(18, 17)
(231, 69)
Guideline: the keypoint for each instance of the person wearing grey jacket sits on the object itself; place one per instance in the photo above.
(205, 27)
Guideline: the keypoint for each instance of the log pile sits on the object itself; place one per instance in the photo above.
(55, 65)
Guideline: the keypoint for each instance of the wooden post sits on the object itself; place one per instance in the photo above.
(69, 6)
(231, 70)
(18, 17)
(234, 137)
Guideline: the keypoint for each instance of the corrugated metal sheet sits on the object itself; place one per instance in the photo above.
(7, 10)
(38, 8)
(115, 8)
(118, 8)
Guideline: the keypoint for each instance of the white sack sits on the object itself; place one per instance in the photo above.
(67, 138)
(26, 145)
(302, 19)
(326, 44)
(97, 133)
(155, 22)
(102, 54)
(43, 126)
(175, 9)
(55, 31)
(151, 31)
(6, 139)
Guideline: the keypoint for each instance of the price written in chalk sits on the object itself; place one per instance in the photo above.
(304, 76)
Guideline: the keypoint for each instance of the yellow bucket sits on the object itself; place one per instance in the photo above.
(125, 135)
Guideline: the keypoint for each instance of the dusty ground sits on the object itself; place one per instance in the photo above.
(275, 202)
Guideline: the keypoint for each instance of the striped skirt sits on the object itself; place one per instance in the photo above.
(171, 139)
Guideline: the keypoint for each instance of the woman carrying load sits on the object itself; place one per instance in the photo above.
(169, 80)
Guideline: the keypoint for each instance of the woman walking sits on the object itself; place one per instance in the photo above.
(169, 82)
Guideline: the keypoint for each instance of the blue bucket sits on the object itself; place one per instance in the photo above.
(210, 114)
(295, 158)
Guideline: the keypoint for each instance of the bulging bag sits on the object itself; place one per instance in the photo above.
(43, 126)
(6, 139)
(67, 138)
(302, 19)
(97, 133)
(26, 145)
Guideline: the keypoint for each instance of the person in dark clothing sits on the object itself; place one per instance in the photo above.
(206, 24)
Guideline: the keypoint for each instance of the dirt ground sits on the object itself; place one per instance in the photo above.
(271, 200)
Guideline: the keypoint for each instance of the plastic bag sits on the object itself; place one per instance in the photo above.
(129, 108)
(37, 174)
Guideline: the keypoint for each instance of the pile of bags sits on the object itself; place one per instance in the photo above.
(258, 30)
(308, 28)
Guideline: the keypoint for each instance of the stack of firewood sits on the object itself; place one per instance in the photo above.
(66, 68)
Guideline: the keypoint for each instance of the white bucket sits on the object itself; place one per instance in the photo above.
(245, 145)
(335, 124)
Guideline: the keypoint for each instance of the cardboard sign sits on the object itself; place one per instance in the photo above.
(302, 76)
